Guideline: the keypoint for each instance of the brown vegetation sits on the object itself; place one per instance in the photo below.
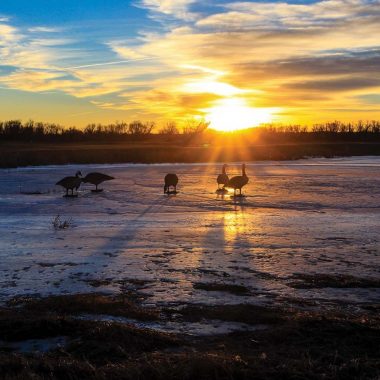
(93, 303)
(295, 345)
(20, 154)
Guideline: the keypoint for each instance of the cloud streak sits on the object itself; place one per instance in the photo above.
(108, 63)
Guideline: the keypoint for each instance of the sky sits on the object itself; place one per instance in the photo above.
(233, 63)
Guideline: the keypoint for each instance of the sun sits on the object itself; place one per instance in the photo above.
(233, 114)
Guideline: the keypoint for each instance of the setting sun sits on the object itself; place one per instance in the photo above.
(233, 114)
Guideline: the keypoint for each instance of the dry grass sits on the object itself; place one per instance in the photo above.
(298, 345)
(91, 303)
(23, 154)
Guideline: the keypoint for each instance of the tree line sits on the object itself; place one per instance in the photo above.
(372, 126)
(39, 131)
(31, 130)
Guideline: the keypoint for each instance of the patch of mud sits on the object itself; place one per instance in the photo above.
(129, 287)
(222, 287)
(96, 283)
(241, 313)
(317, 281)
(51, 265)
(93, 303)
(258, 274)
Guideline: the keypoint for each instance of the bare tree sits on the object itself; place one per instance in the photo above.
(139, 128)
(169, 129)
(194, 127)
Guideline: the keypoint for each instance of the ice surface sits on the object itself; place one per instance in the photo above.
(307, 216)
(202, 328)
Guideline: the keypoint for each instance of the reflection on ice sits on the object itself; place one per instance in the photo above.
(234, 228)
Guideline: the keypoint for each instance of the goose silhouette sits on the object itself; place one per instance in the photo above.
(170, 180)
(238, 181)
(96, 179)
(222, 179)
(71, 183)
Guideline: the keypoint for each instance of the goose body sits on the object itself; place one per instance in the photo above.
(96, 179)
(222, 179)
(170, 180)
(238, 181)
(71, 183)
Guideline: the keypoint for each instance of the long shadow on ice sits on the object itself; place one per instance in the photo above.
(124, 237)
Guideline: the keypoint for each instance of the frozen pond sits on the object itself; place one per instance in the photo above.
(317, 216)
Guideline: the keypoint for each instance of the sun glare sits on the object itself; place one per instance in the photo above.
(233, 114)
(213, 87)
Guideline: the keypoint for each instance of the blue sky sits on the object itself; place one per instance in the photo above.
(51, 12)
(76, 62)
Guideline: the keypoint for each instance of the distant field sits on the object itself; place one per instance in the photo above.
(14, 154)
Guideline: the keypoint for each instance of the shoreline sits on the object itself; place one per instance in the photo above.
(305, 161)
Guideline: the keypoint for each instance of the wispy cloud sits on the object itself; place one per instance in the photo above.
(176, 8)
(125, 51)
(108, 63)
(43, 29)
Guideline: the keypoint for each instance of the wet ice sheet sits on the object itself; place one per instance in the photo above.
(310, 216)
(202, 328)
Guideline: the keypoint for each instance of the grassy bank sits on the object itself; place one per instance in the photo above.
(294, 345)
(15, 154)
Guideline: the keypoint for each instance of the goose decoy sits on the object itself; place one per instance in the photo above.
(222, 179)
(71, 183)
(96, 179)
(170, 180)
(239, 181)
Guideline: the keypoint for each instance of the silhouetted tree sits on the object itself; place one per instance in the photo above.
(169, 129)
(194, 127)
(38, 131)
(139, 128)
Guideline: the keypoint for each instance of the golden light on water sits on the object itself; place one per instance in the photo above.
(231, 225)
(234, 228)
(232, 114)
